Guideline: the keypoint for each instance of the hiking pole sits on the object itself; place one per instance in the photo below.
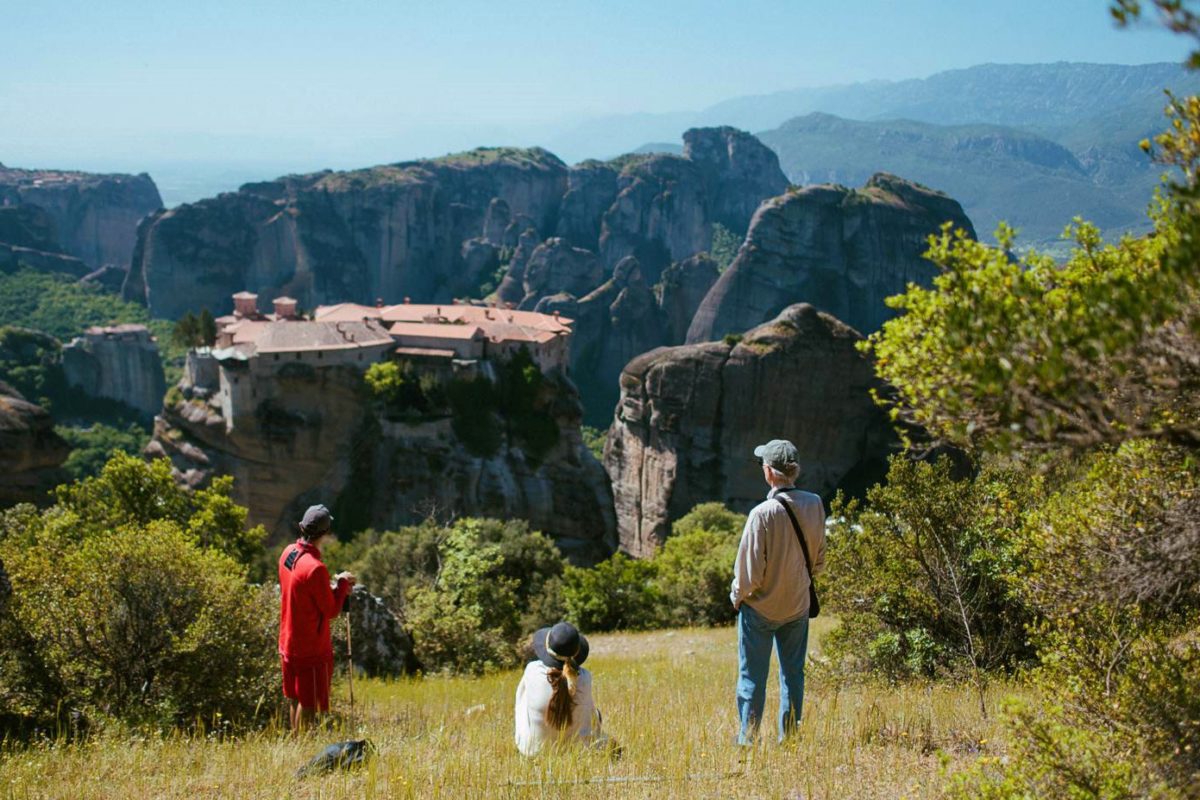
(350, 653)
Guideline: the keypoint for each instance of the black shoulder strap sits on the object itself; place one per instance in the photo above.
(799, 533)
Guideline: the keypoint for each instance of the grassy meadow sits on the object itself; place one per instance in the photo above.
(666, 696)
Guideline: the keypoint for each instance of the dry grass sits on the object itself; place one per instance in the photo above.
(666, 696)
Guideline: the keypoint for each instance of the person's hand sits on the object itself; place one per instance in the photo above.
(346, 576)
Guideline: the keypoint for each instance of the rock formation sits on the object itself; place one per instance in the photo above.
(29, 237)
(385, 232)
(591, 189)
(689, 418)
(683, 288)
(660, 214)
(120, 363)
(739, 172)
(381, 646)
(556, 267)
(842, 250)
(31, 453)
(315, 436)
(95, 216)
(614, 323)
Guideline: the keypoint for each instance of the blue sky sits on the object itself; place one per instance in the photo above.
(108, 83)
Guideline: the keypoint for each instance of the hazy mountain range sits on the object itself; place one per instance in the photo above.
(1031, 144)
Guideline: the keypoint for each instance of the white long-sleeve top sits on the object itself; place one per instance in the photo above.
(533, 698)
(769, 571)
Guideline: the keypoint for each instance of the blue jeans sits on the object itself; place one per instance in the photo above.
(755, 634)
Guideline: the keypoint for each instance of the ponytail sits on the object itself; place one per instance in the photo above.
(562, 700)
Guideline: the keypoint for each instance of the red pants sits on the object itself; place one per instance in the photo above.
(308, 683)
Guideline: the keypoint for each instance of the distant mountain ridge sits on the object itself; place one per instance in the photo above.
(1052, 99)
(996, 172)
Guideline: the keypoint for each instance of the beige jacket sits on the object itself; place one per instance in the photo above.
(769, 571)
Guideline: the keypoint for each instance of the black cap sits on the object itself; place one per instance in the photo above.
(317, 520)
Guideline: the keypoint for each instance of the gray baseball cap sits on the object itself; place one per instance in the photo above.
(317, 520)
(778, 453)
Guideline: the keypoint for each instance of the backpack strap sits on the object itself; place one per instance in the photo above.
(799, 534)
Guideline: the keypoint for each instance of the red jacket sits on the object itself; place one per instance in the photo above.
(308, 604)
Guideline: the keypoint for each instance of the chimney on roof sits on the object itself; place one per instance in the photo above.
(487, 313)
(407, 300)
(556, 313)
(379, 302)
(245, 304)
(285, 308)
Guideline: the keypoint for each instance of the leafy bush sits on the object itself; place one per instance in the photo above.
(725, 246)
(131, 603)
(695, 565)
(402, 391)
(142, 625)
(468, 591)
(129, 491)
(1094, 360)
(594, 439)
(616, 594)
(92, 447)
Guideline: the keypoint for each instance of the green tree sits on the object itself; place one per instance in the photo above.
(616, 594)
(131, 491)
(1095, 361)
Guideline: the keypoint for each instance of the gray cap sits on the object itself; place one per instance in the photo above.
(317, 520)
(778, 453)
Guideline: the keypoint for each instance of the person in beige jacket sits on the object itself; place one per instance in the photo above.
(770, 590)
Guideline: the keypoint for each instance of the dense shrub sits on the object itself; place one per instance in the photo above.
(129, 491)
(468, 591)
(131, 603)
(618, 593)
(923, 576)
(1094, 360)
(685, 583)
(695, 566)
(142, 625)
(91, 447)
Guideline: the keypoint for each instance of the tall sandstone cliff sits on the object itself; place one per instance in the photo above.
(842, 250)
(316, 437)
(95, 217)
(689, 418)
(386, 232)
(31, 453)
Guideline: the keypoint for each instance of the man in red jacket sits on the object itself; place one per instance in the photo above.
(309, 603)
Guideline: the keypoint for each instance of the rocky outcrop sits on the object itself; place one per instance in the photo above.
(666, 205)
(614, 323)
(591, 189)
(95, 216)
(315, 436)
(29, 238)
(556, 267)
(683, 288)
(381, 646)
(31, 453)
(689, 418)
(659, 215)
(842, 250)
(739, 172)
(120, 363)
(386, 232)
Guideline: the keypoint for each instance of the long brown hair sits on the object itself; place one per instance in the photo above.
(562, 700)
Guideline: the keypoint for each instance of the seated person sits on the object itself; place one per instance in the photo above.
(554, 698)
